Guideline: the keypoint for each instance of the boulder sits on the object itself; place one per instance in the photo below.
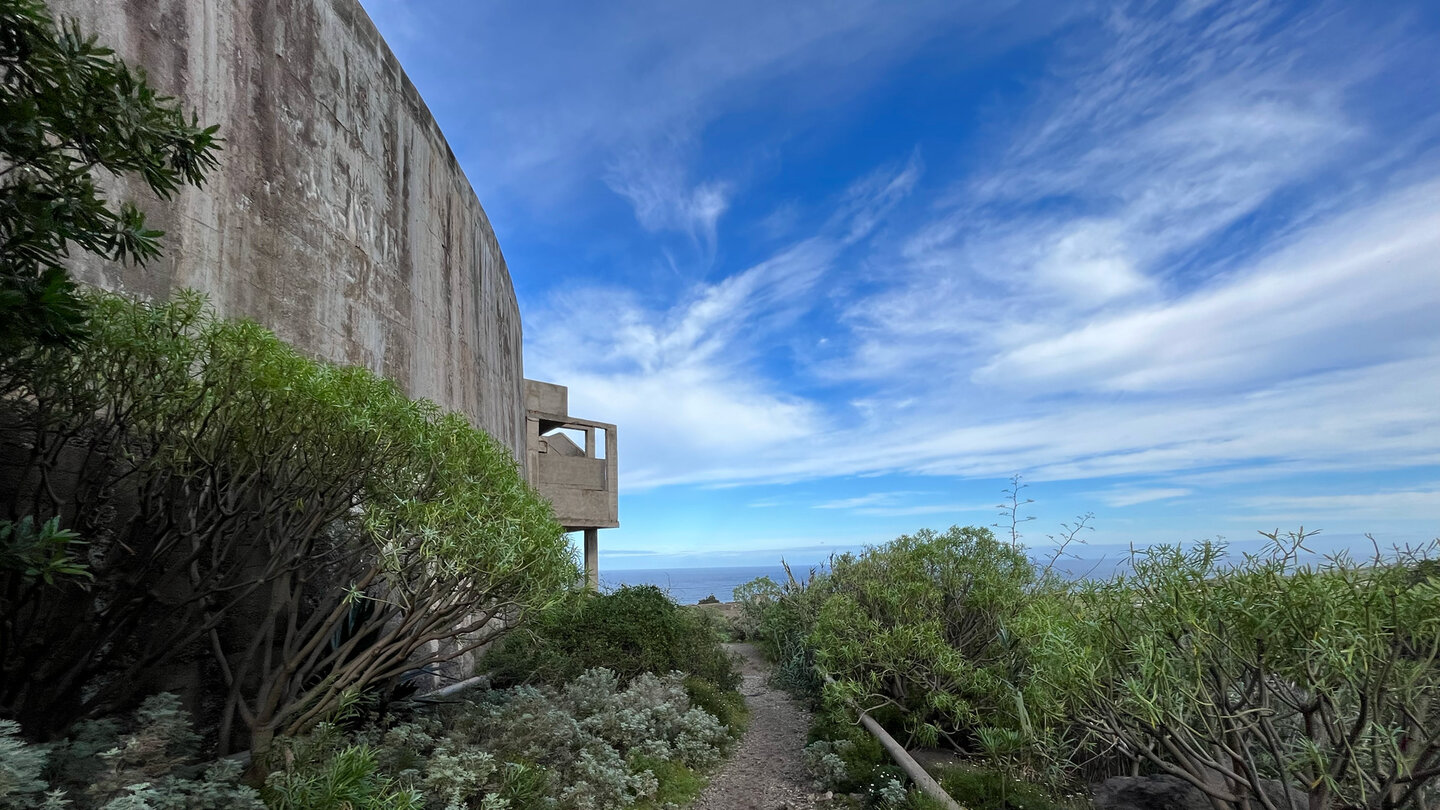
(1149, 793)
(1173, 793)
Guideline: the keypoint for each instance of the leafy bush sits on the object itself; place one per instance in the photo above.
(217, 474)
(149, 767)
(634, 630)
(61, 98)
(321, 776)
(923, 634)
(919, 626)
(886, 790)
(1242, 676)
(1324, 677)
(779, 619)
(41, 556)
(727, 705)
(21, 784)
(591, 744)
(825, 760)
(595, 736)
(983, 789)
(755, 599)
(841, 756)
(675, 784)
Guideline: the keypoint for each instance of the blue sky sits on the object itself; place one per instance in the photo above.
(837, 270)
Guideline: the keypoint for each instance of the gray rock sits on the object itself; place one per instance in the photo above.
(1276, 792)
(1174, 793)
(1149, 793)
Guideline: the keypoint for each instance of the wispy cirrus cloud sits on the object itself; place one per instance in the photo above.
(1129, 172)
(1294, 313)
(682, 379)
(1196, 245)
(1422, 502)
(1251, 358)
(1131, 497)
(900, 503)
(655, 183)
(871, 499)
(568, 94)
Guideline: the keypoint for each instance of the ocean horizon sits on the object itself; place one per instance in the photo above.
(689, 585)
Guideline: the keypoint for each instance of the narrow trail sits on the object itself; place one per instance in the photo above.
(767, 771)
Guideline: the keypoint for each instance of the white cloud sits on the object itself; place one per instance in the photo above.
(655, 184)
(1130, 497)
(1300, 311)
(682, 383)
(1130, 170)
(675, 382)
(923, 509)
(564, 88)
(1414, 503)
(870, 199)
(898, 504)
(1081, 309)
(864, 500)
(1374, 418)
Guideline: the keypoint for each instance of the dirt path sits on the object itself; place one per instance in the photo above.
(767, 771)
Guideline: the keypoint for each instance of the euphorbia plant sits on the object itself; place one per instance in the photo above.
(1323, 677)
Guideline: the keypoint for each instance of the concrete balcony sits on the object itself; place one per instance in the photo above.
(580, 482)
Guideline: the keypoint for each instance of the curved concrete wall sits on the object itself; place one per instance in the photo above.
(339, 217)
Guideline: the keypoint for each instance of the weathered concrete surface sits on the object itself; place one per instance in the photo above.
(582, 486)
(339, 216)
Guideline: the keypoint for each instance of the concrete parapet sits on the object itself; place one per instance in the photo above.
(581, 483)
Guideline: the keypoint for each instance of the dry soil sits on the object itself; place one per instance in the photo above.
(767, 771)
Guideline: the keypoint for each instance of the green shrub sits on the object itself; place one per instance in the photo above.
(922, 625)
(716, 620)
(343, 779)
(323, 498)
(1325, 676)
(676, 784)
(755, 599)
(1226, 672)
(592, 744)
(886, 789)
(40, 555)
(727, 705)
(150, 767)
(842, 756)
(522, 787)
(630, 631)
(984, 789)
(21, 764)
(779, 619)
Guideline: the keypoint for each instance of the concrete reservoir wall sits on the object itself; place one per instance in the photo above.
(338, 217)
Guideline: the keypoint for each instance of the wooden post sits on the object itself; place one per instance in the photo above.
(907, 763)
(592, 559)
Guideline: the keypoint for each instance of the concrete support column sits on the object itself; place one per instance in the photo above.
(592, 559)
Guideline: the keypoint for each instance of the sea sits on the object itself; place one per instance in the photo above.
(1098, 562)
(689, 585)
